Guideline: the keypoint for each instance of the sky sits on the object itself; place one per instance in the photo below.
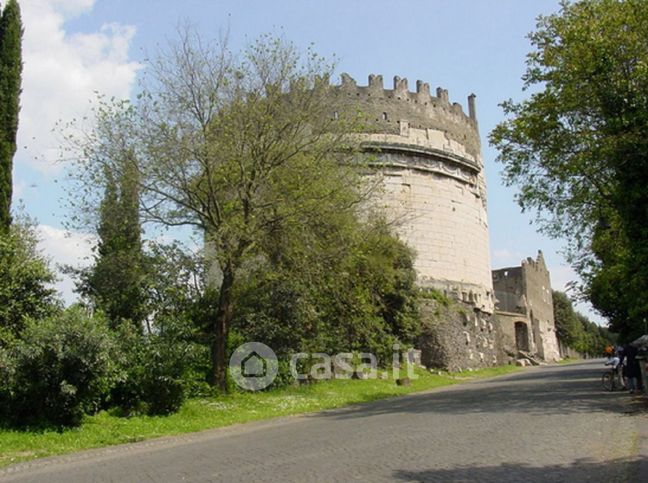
(74, 49)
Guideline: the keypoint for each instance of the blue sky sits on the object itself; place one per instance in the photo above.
(76, 47)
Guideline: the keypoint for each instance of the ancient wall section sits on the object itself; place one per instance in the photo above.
(540, 302)
(455, 337)
(427, 152)
(516, 333)
(523, 296)
(509, 288)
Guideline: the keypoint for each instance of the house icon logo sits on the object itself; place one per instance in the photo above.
(253, 366)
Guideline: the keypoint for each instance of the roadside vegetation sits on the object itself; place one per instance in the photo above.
(109, 427)
(251, 150)
(576, 331)
(576, 149)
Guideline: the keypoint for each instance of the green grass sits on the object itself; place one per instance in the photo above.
(106, 429)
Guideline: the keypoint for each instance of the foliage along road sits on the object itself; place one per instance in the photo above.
(545, 424)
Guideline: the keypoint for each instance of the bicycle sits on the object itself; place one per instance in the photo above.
(610, 380)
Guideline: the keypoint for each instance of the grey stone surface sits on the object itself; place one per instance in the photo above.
(426, 154)
(456, 337)
(545, 424)
(523, 297)
(384, 108)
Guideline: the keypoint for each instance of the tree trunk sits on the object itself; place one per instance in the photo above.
(220, 331)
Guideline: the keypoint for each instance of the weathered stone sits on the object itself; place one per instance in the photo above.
(524, 307)
(426, 153)
(449, 342)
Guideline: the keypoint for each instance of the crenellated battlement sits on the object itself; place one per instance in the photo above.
(386, 109)
(538, 264)
(427, 155)
(400, 92)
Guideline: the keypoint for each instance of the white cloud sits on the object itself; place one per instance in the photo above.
(62, 72)
(69, 7)
(65, 248)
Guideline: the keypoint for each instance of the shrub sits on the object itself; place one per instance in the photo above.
(24, 279)
(355, 294)
(7, 369)
(59, 369)
(156, 369)
(149, 383)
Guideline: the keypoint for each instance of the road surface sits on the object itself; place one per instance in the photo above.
(549, 424)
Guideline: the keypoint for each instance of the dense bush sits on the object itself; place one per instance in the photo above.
(60, 368)
(340, 291)
(157, 370)
(7, 369)
(25, 279)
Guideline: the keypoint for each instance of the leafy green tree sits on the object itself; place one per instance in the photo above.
(234, 148)
(10, 78)
(568, 328)
(594, 338)
(611, 289)
(25, 280)
(577, 146)
(115, 284)
(176, 282)
(350, 288)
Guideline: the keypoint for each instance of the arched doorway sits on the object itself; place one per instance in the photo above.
(522, 336)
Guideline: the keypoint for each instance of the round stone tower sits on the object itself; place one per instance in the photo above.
(427, 152)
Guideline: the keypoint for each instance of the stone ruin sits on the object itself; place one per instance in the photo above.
(427, 153)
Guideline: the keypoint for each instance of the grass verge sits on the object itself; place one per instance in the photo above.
(105, 428)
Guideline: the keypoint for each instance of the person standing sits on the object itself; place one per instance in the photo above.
(631, 366)
(614, 360)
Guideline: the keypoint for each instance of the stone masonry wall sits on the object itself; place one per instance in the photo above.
(384, 108)
(540, 302)
(444, 221)
(508, 284)
(426, 152)
(526, 290)
(456, 337)
(506, 321)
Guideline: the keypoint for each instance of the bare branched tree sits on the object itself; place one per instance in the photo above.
(234, 146)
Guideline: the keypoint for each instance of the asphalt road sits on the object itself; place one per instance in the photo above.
(546, 424)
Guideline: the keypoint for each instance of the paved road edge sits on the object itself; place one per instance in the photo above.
(185, 438)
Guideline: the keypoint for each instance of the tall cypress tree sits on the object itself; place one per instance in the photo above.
(115, 283)
(10, 76)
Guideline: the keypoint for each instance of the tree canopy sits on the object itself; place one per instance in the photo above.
(115, 283)
(576, 148)
(575, 330)
(25, 280)
(10, 79)
(253, 150)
